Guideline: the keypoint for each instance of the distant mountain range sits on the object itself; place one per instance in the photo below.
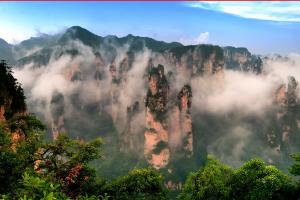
(39, 49)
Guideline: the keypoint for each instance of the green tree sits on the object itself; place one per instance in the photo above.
(18, 156)
(210, 182)
(35, 187)
(253, 181)
(11, 93)
(66, 162)
(257, 181)
(138, 184)
(295, 168)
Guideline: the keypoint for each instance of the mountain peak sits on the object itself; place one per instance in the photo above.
(82, 34)
(3, 42)
(76, 28)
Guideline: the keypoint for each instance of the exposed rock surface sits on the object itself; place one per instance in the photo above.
(157, 151)
(241, 59)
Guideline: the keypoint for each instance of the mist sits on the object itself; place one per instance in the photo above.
(232, 99)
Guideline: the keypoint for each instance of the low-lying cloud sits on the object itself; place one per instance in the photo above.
(242, 93)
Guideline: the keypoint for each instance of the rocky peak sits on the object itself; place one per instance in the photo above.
(157, 96)
(168, 125)
(156, 135)
(286, 94)
(185, 98)
(291, 91)
(81, 34)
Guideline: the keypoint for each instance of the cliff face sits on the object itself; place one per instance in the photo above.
(12, 99)
(241, 59)
(114, 91)
(283, 135)
(184, 104)
(156, 150)
(197, 60)
(57, 105)
(168, 121)
(12, 104)
(129, 139)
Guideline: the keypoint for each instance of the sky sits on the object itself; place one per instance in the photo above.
(262, 27)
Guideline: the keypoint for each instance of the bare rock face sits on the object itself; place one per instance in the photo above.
(73, 73)
(99, 67)
(286, 94)
(168, 121)
(291, 91)
(196, 60)
(57, 105)
(2, 112)
(284, 130)
(129, 140)
(280, 95)
(184, 104)
(156, 147)
(126, 64)
(114, 91)
(16, 136)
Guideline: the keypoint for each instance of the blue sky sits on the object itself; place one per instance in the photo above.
(262, 27)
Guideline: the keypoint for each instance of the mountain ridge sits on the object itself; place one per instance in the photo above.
(137, 43)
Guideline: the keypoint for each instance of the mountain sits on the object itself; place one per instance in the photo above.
(241, 59)
(159, 104)
(12, 99)
(41, 48)
(6, 51)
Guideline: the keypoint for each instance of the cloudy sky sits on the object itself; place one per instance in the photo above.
(263, 27)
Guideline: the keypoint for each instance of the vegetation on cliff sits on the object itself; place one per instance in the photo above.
(32, 168)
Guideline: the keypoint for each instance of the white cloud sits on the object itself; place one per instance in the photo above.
(243, 92)
(200, 39)
(275, 11)
(14, 33)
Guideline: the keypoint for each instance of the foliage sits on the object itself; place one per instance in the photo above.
(256, 180)
(161, 145)
(35, 187)
(65, 161)
(210, 182)
(11, 93)
(9, 164)
(17, 156)
(295, 168)
(138, 184)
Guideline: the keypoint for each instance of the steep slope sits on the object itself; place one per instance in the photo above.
(12, 99)
(241, 59)
(6, 51)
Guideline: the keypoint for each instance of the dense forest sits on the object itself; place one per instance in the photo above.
(33, 167)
